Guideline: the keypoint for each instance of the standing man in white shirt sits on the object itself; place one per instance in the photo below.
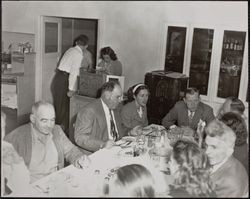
(65, 81)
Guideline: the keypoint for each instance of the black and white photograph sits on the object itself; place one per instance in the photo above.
(142, 99)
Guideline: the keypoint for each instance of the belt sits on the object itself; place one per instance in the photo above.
(63, 72)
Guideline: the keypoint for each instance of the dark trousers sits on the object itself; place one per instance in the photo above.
(59, 89)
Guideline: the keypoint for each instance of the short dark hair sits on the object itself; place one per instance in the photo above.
(130, 93)
(191, 90)
(108, 51)
(82, 40)
(109, 86)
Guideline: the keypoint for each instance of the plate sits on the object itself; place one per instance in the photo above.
(124, 143)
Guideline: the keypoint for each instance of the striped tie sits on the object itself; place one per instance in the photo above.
(190, 117)
(112, 127)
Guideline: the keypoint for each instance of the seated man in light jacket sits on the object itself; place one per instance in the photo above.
(228, 174)
(189, 111)
(43, 145)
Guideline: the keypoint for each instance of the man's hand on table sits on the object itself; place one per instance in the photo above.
(156, 126)
(137, 130)
(82, 162)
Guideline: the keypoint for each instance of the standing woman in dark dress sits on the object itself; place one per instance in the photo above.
(64, 84)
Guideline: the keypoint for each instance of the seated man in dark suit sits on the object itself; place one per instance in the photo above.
(228, 174)
(189, 111)
(98, 124)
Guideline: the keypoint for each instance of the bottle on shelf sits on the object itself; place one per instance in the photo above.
(227, 44)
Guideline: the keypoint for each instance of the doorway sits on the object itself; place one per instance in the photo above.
(58, 34)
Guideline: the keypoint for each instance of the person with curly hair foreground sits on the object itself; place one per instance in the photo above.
(191, 170)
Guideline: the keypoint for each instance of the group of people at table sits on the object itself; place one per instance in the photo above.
(210, 160)
(207, 163)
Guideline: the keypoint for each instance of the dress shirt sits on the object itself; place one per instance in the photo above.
(107, 115)
(44, 156)
(71, 63)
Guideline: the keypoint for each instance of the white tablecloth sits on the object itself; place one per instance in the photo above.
(73, 182)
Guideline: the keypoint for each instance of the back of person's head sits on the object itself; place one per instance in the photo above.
(221, 131)
(81, 40)
(232, 104)
(191, 91)
(193, 173)
(108, 51)
(134, 90)
(131, 181)
(237, 124)
(236, 105)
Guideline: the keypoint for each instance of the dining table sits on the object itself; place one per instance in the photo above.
(89, 181)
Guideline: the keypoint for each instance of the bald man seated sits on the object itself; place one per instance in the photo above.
(43, 145)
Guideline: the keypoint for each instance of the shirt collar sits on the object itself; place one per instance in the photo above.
(78, 48)
(217, 166)
(104, 105)
(190, 112)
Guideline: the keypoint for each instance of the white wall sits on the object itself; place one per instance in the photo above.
(133, 29)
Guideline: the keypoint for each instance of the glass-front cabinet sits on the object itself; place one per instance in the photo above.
(175, 48)
(213, 57)
(231, 63)
(201, 59)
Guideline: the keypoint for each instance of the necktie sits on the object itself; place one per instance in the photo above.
(112, 127)
(190, 117)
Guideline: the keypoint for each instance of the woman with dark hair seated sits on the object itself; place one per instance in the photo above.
(191, 170)
(109, 62)
(134, 112)
(238, 125)
(232, 104)
(131, 181)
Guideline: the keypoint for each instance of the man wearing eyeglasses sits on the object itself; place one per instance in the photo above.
(189, 111)
(98, 124)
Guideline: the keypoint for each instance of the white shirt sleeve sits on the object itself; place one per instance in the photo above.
(74, 70)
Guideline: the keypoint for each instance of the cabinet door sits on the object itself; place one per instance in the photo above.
(176, 39)
(231, 63)
(201, 59)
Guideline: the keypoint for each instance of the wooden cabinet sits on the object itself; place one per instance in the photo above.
(166, 88)
(18, 90)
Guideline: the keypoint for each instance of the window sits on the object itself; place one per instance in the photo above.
(231, 63)
(176, 38)
(201, 59)
(51, 37)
